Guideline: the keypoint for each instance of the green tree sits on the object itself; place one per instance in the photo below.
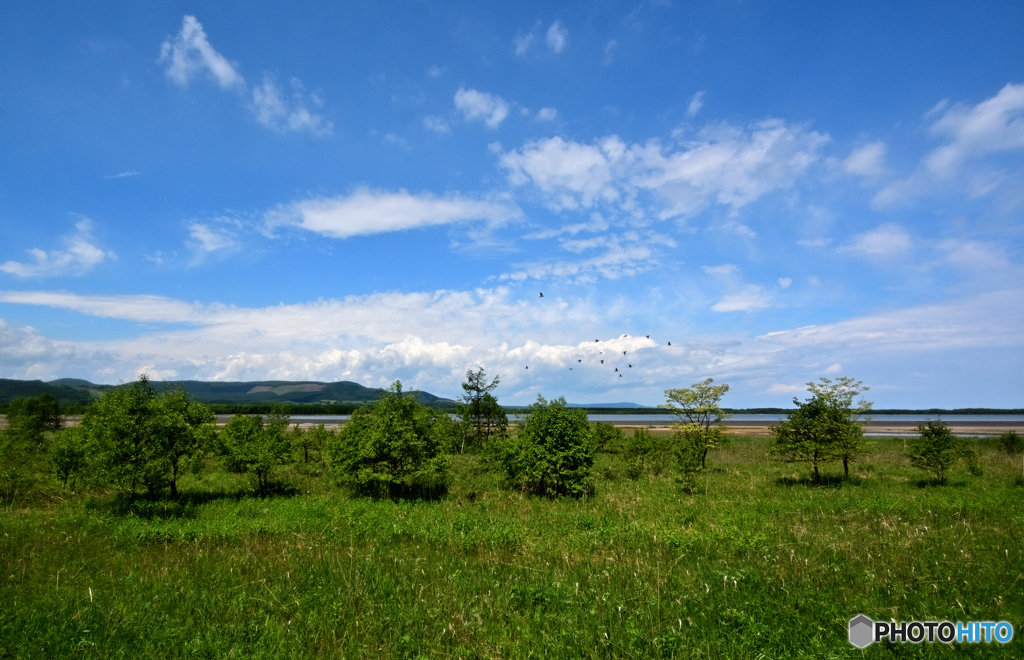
(182, 428)
(937, 450)
(314, 441)
(69, 453)
(696, 407)
(395, 444)
(825, 426)
(119, 426)
(607, 437)
(688, 444)
(142, 439)
(1011, 443)
(257, 445)
(482, 417)
(552, 451)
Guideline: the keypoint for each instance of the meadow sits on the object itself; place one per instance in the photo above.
(758, 562)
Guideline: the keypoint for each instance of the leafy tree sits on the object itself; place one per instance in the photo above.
(646, 453)
(142, 439)
(69, 453)
(696, 407)
(688, 446)
(552, 451)
(314, 441)
(482, 417)
(938, 450)
(119, 426)
(182, 427)
(394, 444)
(257, 445)
(825, 426)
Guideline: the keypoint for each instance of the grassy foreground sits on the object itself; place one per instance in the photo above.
(757, 564)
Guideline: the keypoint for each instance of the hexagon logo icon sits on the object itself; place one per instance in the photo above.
(861, 631)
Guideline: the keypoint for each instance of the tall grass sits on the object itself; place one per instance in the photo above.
(757, 563)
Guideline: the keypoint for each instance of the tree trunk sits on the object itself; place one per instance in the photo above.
(846, 468)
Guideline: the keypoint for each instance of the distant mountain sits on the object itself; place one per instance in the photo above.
(76, 390)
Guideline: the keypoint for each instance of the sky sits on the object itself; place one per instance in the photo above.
(763, 193)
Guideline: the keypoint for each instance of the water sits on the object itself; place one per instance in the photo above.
(753, 418)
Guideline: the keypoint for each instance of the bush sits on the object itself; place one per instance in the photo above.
(552, 451)
(689, 456)
(396, 445)
(1011, 443)
(646, 454)
(608, 438)
(69, 454)
(937, 450)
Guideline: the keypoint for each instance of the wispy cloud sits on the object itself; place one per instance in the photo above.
(481, 106)
(696, 103)
(368, 211)
(122, 175)
(557, 37)
(618, 255)
(290, 113)
(867, 160)
(749, 299)
(884, 242)
(212, 238)
(81, 254)
(189, 54)
(437, 125)
(547, 114)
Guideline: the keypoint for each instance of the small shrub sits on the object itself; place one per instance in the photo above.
(69, 454)
(1011, 443)
(608, 438)
(646, 454)
(689, 457)
(937, 450)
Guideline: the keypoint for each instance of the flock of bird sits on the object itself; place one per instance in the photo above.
(579, 360)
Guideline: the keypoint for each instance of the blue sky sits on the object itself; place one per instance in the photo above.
(377, 190)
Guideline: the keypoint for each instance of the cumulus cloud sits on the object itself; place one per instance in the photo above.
(557, 37)
(723, 165)
(886, 241)
(289, 113)
(81, 254)
(368, 211)
(785, 282)
(481, 106)
(190, 54)
(867, 161)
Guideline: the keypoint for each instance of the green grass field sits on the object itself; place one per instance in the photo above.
(757, 564)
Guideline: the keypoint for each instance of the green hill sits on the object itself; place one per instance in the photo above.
(78, 391)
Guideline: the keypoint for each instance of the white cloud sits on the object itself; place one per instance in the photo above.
(814, 242)
(367, 211)
(436, 124)
(122, 175)
(434, 71)
(834, 369)
(725, 270)
(886, 241)
(488, 108)
(288, 114)
(994, 125)
(557, 37)
(429, 339)
(696, 103)
(971, 133)
(522, 44)
(208, 238)
(723, 165)
(82, 254)
(547, 114)
(751, 298)
(785, 282)
(189, 54)
(867, 161)
(619, 255)
(779, 388)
